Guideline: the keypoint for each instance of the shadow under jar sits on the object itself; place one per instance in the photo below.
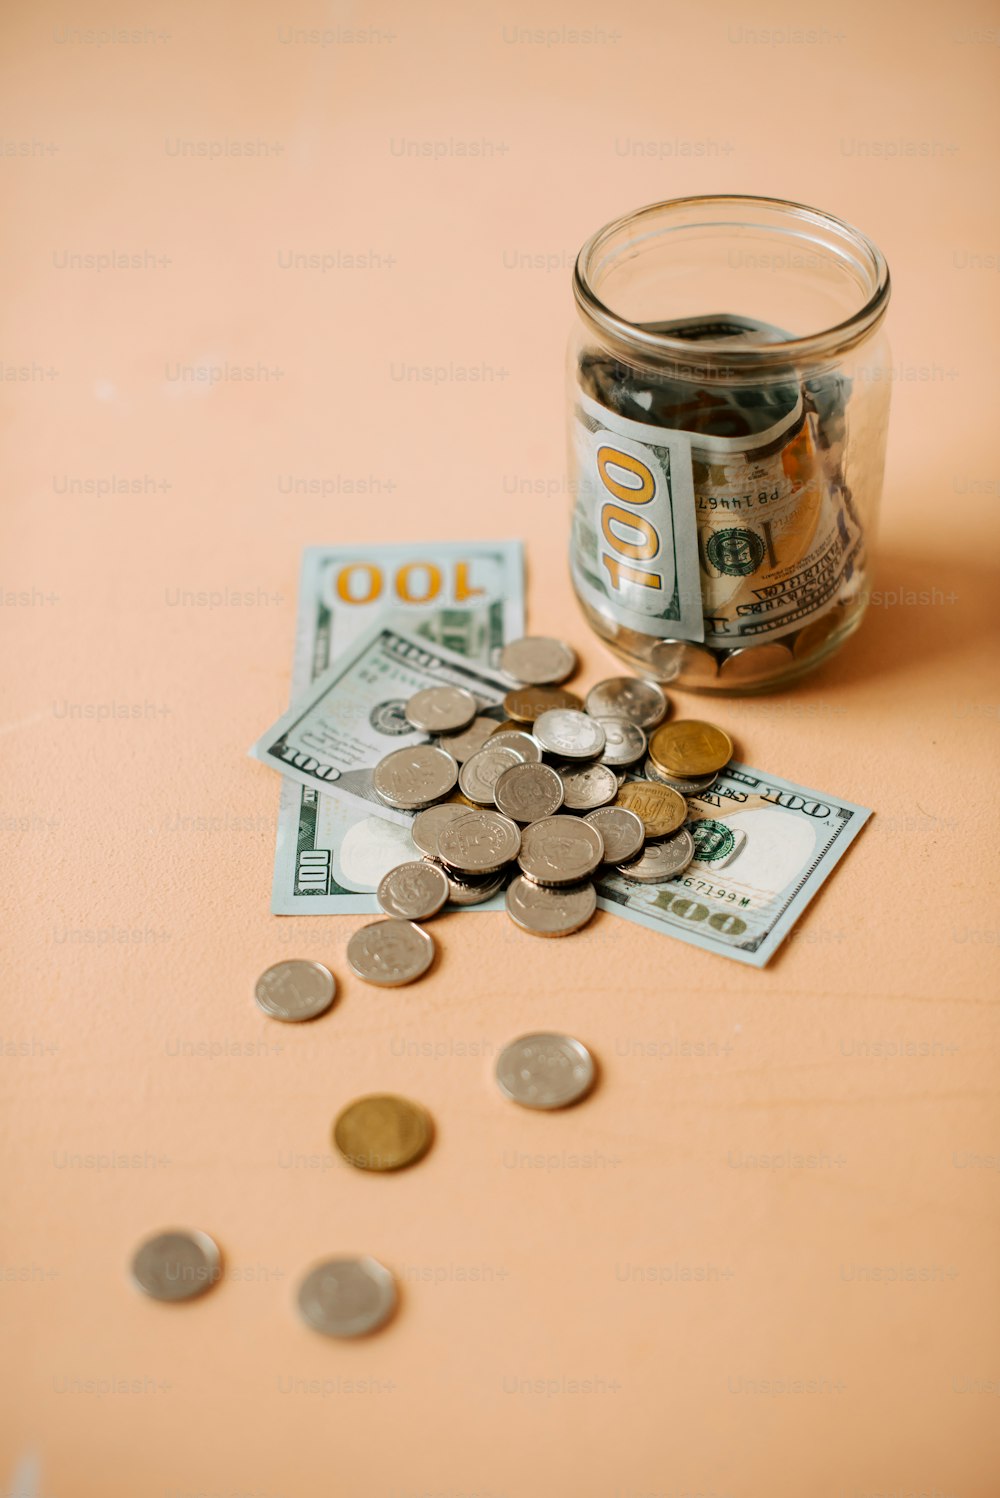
(728, 403)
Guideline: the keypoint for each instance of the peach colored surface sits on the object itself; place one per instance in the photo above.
(761, 1261)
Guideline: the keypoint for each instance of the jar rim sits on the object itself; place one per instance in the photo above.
(706, 354)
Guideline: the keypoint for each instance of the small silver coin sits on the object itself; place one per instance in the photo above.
(560, 850)
(570, 734)
(630, 697)
(545, 1071)
(481, 842)
(523, 744)
(550, 912)
(411, 778)
(390, 953)
(687, 785)
(526, 792)
(480, 773)
(626, 742)
(295, 990)
(587, 786)
(671, 659)
(661, 860)
(462, 746)
(429, 823)
(440, 709)
(757, 663)
(538, 661)
(347, 1297)
(177, 1265)
(413, 891)
(622, 831)
(473, 889)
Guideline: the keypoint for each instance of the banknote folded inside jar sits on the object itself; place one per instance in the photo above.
(729, 392)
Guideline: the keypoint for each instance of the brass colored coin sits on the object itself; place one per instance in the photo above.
(383, 1132)
(812, 637)
(690, 748)
(660, 809)
(525, 704)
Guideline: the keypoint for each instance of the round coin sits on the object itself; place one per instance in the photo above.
(413, 891)
(481, 842)
(661, 809)
(462, 746)
(429, 823)
(440, 709)
(560, 850)
(570, 734)
(525, 744)
(390, 953)
(545, 1071)
(383, 1132)
(587, 786)
(295, 990)
(661, 861)
(480, 773)
(625, 742)
(525, 704)
(347, 1297)
(671, 659)
(411, 778)
(550, 912)
(812, 636)
(689, 786)
(690, 747)
(623, 832)
(177, 1265)
(473, 889)
(527, 792)
(537, 661)
(755, 663)
(630, 697)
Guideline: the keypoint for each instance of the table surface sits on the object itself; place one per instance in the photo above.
(761, 1260)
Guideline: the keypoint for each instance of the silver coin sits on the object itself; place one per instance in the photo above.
(689, 785)
(626, 742)
(545, 1071)
(440, 709)
(622, 831)
(756, 663)
(462, 746)
(527, 792)
(177, 1265)
(537, 661)
(570, 734)
(662, 860)
(413, 891)
(414, 777)
(550, 912)
(347, 1297)
(428, 824)
(295, 990)
(523, 744)
(390, 953)
(672, 659)
(587, 786)
(473, 889)
(560, 850)
(480, 773)
(629, 697)
(481, 842)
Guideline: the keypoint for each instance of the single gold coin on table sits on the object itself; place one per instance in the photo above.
(659, 809)
(690, 747)
(383, 1132)
(525, 704)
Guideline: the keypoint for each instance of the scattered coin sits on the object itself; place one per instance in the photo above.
(587, 786)
(545, 1071)
(480, 773)
(560, 850)
(473, 889)
(570, 734)
(690, 747)
(479, 843)
(623, 832)
(413, 891)
(440, 709)
(383, 1132)
(525, 704)
(526, 745)
(295, 990)
(527, 792)
(689, 786)
(673, 658)
(630, 697)
(755, 663)
(625, 742)
(462, 746)
(660, 861)
(347, 1297)
(411, 778)
(550, 912)
(177, 1265)
(429, 823)
(661, 809)
(537, 661)
(390, 953)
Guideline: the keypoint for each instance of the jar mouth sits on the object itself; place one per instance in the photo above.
(624, 239)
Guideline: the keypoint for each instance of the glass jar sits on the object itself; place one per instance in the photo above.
(729, 394)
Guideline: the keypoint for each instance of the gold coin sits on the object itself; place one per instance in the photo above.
(525, 704)
(509, 726)
(690, 747)
(659, 809)
(383, 1132)
(812, 637)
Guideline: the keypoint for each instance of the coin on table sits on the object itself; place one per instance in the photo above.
(177, 1265)
(545, 1071)
(462, 746)
(550, 912)
(473, 889)
(480, 773)
(481, 842)
(570, 734)
(347, 1297)
(587, 786)
(625, 742)
(427, 824)
(641, 702)
(660, 861)
(623, 832)
(390, 953)
(690, 747)
(526, 792)
(295, 990)
(383, 1132)
(673, 658)
(560, 850)
(525, 704)
(413, 891)
(690, 785)
(440, 709)
(411, 778)
(537, 661)
(661, 809)
(755, 663)
(525, 744)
